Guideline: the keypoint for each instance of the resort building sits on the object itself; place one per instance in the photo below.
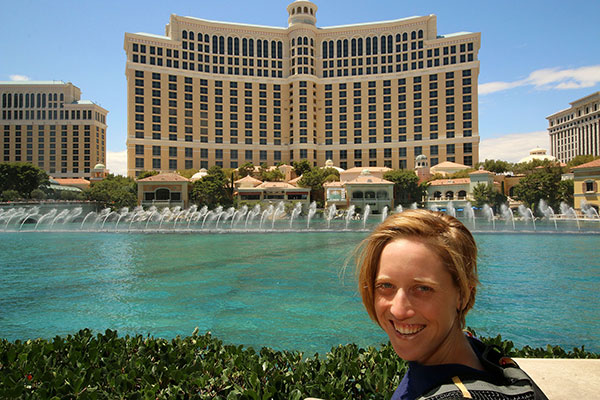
(576, 130)
(164, 190)
(365, 95)
(47, 124)
(586, 179)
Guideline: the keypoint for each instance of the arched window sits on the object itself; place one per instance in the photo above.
(449, 195)
(405, 36)
(221, 45)
(383, 45)
(230, 45)
(280, 50)
(236, 46)
(244, 47)
(382, 195)
(265, 48)
(162, 194)
(305, 41)
(215, 44)
(360, 46)
(413, 35)
(369, 194)
(331, 49)
(62, 97)
(368, 46)
(199, 37)
(398, 37)
(353, 47)
(206, 38)
(293, 42)
(293, 11)
(437, 194)
(191, 35)
(390, 44)
(273, 49)
(184, 34)
(462, 194)
(305, 10)
(345, 47)
(258, 48)
(299, 10)
(339, 48)
(251, 47)
(312, 42)
(420, 34)
(324, 46)
(357, 194)
(375, 45)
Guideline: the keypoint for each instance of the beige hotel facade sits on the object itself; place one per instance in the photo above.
(47, 124)
(576, 130)
(375, 94)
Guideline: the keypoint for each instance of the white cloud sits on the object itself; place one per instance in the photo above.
(19, 78)
(550, 78)
(513, 147)
(116, 162)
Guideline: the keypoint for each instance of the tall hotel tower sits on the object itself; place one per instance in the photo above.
(376, 94)
(47, 124)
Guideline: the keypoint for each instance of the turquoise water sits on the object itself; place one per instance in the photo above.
(283, 290)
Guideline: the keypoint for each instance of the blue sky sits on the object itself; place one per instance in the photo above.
(536, 56)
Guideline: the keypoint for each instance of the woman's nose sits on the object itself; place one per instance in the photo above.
(401, 307)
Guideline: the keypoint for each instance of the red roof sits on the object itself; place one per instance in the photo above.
(445, 182)
(591, 164)
(165, 177)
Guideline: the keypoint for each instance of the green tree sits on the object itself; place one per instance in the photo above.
(301, 167)
(314, 179)
(273, 175)
(146, 174)
(487, 194)
(407, 188)
(114, 191)
(581, 159)
(497, 166)
(531, 166)
(245, 170)
(21, 177)
(565, 191)
(543, 183)
(212, 190)
(187, 173)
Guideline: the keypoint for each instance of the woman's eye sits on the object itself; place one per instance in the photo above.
(423, 288)
(383, 285)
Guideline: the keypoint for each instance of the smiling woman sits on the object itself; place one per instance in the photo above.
(418, 278)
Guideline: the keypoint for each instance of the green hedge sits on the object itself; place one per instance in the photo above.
(102, 366)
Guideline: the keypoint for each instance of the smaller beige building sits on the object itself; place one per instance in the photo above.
(250, 190)
(364, 189)
(586, 179)
(164, 190)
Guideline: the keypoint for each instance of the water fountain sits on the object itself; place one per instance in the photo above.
(275, 217)
(488, 212)
(366, 215)
(507, 215)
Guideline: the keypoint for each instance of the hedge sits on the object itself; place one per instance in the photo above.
(101, 366)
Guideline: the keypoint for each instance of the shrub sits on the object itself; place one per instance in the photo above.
(200, 366)
(38, 194)
(10, 195)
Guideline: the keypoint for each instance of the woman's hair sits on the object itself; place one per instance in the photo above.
(441, 233)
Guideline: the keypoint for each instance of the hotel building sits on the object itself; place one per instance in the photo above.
(376, 94)
(45, 123)
(576, 130)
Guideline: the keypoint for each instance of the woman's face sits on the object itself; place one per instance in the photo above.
(416, 303)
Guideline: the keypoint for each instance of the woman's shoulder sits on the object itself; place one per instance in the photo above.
(504, 379)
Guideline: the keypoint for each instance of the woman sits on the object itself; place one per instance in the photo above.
(418, 279)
